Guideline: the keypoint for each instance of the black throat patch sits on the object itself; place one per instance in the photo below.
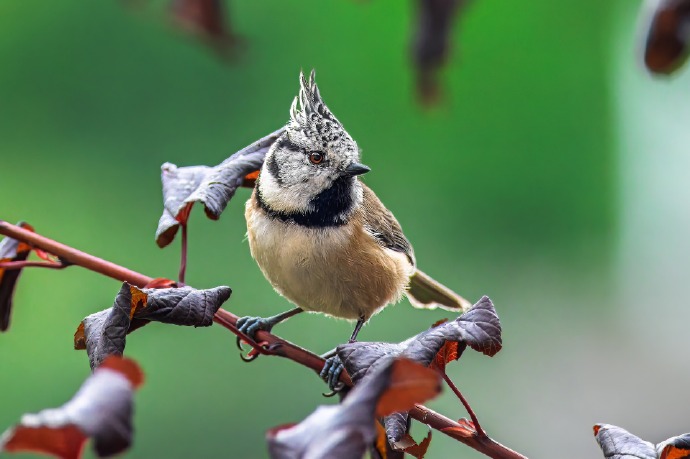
(332, 207)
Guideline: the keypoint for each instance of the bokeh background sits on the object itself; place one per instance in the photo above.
(552, 177)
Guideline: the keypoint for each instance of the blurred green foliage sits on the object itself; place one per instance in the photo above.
(507, 189)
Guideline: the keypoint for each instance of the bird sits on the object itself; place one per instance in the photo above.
(321, 237)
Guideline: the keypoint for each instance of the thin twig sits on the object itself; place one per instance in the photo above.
(9, 265)
(183, 255)
(464, 402)
(270, 344)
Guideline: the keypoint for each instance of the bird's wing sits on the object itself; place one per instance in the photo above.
(382, 225)
(423, 291)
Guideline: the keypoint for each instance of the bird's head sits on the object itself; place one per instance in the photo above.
(314, 162)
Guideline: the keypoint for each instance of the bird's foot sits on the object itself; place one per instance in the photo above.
(331, 374)
(250, 325)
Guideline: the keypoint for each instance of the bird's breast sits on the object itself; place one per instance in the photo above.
(341, 271)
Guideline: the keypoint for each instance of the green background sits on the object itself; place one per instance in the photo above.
(510, 188)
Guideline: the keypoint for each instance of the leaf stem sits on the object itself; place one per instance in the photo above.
(276, 345)
(183, 255)
(470, 411)
(9, 265)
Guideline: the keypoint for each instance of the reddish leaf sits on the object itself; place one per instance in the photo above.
(458, 432)
(101, 410)
(212, 186)
(65, 442)
(126, 367)
(674, 452)
(104, 333)
(43, 255)
(675, 447)
(348, 429)
(666, 46)
(10, 250)
(410, 383)
(250, 179)
(161, 282)
(439, 322)
(411, 447)
(381, 442)
(448, 353)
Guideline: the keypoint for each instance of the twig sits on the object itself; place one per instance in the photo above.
(464, 402)
(270, 344)
(183, 255)
(9, 265)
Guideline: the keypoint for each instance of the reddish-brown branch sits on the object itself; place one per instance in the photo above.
(272, 345)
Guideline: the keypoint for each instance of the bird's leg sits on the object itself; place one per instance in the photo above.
(250, 325)
(358, 327)
(334, 366)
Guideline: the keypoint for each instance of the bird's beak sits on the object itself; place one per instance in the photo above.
(356, 169)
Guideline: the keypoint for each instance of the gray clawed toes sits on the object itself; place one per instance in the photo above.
(250, 325)
(331, 373)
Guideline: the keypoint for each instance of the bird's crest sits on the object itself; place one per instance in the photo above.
(311, 108)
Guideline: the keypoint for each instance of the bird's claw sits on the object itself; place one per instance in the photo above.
(331, 374)
(250, 325)
(250, 357)
(257, 349)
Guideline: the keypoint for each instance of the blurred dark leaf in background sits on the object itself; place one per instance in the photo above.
(206, 19)
(666, 46)
(618, 443)
(101, 409)
(431, 43)
(10, 250)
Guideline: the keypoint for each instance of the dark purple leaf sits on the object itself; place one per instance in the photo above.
(397, 425)
(104, 333)
(100, 410)
(432, 41)
(617, 443)
(347, 430)
(10, 250)
(212, 186)
(666, 45)
(478, 328)
(178, 184)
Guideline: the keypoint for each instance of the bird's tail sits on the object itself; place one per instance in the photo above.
(424, 292)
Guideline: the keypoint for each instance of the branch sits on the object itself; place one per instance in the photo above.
(268, 343)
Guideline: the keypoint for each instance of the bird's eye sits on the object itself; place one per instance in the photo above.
(316, 157)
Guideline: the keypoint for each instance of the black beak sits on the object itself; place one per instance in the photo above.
(356, 169)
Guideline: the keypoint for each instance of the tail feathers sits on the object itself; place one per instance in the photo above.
(424, 292)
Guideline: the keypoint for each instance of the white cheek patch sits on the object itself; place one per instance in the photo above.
(299, 185)
(281, 198)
